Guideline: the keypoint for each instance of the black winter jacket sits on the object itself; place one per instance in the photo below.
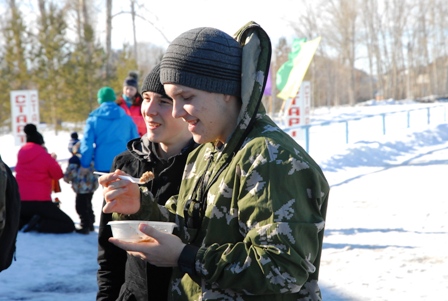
(123, 277)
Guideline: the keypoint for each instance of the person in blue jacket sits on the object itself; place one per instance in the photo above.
(107, 131)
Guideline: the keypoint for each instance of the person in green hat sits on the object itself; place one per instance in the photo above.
(106, 133)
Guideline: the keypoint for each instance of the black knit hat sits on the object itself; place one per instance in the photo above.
(32, 135)
(131, 80)
(152, 82)
(204, 58)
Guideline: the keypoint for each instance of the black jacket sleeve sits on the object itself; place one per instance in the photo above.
(111, 261)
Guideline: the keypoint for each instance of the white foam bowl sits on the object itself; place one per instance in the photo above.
(128, 230)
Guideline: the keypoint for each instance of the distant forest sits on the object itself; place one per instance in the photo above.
(370, 49)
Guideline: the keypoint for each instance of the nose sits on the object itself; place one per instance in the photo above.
(150, 108)
(178, 110)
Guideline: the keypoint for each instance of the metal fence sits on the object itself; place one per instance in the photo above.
(351, 130)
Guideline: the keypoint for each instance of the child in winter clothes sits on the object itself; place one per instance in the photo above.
(84, 186)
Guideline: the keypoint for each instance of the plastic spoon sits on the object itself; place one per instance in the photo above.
(123, 177)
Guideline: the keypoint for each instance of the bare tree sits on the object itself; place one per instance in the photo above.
(373, 25)
(133, 30)
(437, 22)
(307, 25)
(50, 59)
(108, 37)
(343, 18)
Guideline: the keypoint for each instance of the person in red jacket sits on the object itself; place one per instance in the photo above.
(36, 169)
(131, 101)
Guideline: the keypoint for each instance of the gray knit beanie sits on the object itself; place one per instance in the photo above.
(152, 82)
(204, 58)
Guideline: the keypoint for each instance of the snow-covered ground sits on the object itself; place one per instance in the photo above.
(386, 232)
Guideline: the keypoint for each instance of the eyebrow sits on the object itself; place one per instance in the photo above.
(177, 91)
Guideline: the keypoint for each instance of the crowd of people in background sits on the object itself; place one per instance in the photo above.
(107, 131)
(27, 198)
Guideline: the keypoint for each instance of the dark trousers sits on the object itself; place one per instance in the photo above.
(52, 219)
(84, 209)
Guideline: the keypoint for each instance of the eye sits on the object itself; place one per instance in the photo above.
(166, 101)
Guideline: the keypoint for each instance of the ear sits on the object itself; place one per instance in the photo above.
(230, 98)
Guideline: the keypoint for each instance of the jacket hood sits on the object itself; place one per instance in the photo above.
(255, 68)
(108, 110)
(140, 148)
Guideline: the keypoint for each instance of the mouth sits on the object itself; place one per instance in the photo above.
(153, 125)
(191, 124)
(192, 121)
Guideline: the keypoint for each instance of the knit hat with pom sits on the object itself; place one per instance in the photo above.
(106, 94)
(32, 135)
(152, 82)
(131, 80)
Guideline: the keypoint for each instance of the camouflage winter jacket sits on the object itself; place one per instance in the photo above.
(261, 235)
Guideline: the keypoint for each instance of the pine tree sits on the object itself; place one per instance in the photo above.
(85, 79)
(124, 63)
(13, 60)
(50, 59)
(85, 67)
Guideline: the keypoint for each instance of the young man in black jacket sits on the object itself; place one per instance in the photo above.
(163, 150)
